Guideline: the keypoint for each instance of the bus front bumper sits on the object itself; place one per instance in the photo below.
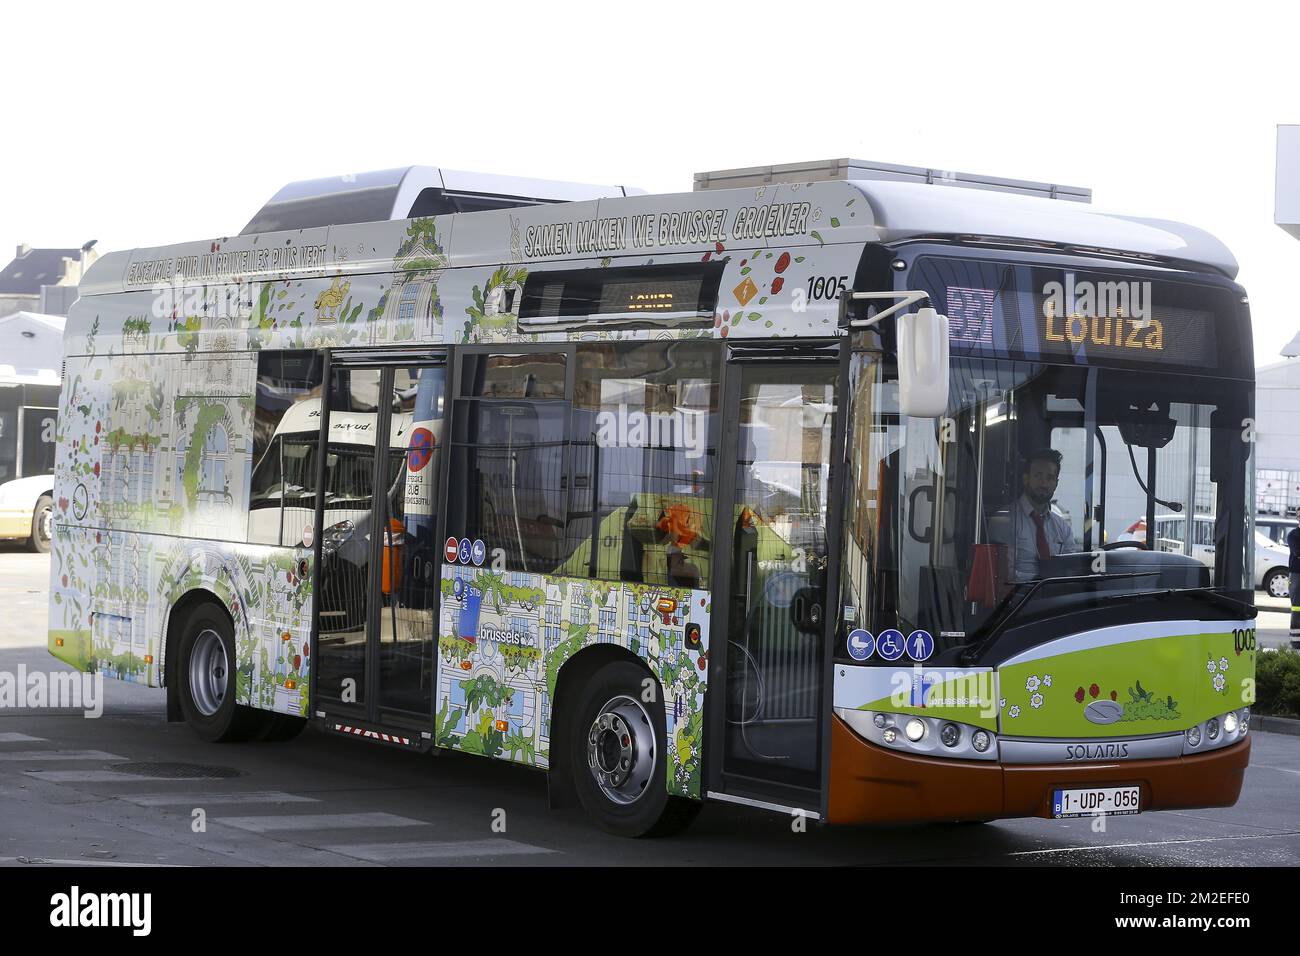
(869, 784)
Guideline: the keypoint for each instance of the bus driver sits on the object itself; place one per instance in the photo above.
(1028, 527)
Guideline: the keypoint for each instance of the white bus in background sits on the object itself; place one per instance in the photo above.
(28, 409)
(31, 358)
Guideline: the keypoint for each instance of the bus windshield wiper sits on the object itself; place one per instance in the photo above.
(1247, 610)
(996, 624)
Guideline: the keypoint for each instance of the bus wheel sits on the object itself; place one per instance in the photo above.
(206, 679)
(42, 525)
(618, 756)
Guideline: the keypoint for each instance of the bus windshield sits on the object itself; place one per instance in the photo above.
(1038, 472)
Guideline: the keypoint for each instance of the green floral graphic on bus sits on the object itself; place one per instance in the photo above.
(504, 638)
(1130, 687)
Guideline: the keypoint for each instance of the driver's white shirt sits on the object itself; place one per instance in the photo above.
(1015, 527)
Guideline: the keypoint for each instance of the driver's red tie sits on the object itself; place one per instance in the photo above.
(1044, 551)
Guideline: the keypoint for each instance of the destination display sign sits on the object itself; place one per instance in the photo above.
(1019, 312)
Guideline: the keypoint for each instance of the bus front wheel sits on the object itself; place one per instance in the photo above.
(206, 679)
(618, 753)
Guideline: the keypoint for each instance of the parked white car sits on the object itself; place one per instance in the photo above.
(1271, 559)
(1275, 528)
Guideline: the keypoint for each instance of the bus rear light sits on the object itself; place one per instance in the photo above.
(665, 605)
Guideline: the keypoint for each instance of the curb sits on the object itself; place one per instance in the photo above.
(1275, 725)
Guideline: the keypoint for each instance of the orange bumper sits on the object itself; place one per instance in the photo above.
(872, 785)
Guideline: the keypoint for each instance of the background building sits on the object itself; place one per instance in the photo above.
(43, 280)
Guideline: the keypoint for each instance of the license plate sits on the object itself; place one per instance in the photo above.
(1112, 801)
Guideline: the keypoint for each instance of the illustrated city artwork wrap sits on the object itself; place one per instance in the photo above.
(503, 638)
(155, 433)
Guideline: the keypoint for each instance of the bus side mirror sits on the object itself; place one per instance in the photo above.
(923, 364)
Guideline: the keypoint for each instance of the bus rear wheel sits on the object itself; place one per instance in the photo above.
(206, 679)
(42, 525)
(618, 756)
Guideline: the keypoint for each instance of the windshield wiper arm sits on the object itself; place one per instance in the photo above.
(994, 627)
(1247, 610)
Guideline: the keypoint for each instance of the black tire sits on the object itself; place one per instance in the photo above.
(282, 727)
(213, 716)
(1281, 576)
(647, 810)
(39, 542)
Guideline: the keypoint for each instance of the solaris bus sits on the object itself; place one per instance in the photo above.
(804, 490)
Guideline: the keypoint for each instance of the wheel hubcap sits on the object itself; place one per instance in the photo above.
(45, 525)
(208, 671)
(621, 750)
(1280, 587)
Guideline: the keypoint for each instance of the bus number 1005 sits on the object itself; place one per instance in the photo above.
(826, 287)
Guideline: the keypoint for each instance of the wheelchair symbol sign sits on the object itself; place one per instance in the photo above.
(890, 644)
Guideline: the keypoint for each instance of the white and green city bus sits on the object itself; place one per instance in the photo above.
(721, 495)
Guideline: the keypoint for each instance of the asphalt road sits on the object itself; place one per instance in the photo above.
(78, 790)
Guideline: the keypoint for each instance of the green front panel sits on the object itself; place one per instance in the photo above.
(1144, 686)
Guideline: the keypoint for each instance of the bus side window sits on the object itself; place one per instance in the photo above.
(508, 469)
(286, 433)
(644, 445)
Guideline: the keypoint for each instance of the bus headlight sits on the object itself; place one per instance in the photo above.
(921, 735)
(1223, 730)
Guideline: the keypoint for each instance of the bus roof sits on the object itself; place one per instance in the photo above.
(893, 211)
(905, 210)
(409, 192)
(869, 169)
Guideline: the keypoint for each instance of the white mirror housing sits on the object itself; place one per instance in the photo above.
(923, 364)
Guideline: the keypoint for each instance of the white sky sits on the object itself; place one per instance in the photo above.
(144, 124)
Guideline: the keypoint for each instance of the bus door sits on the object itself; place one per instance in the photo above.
(377, 577)
(773, 600)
